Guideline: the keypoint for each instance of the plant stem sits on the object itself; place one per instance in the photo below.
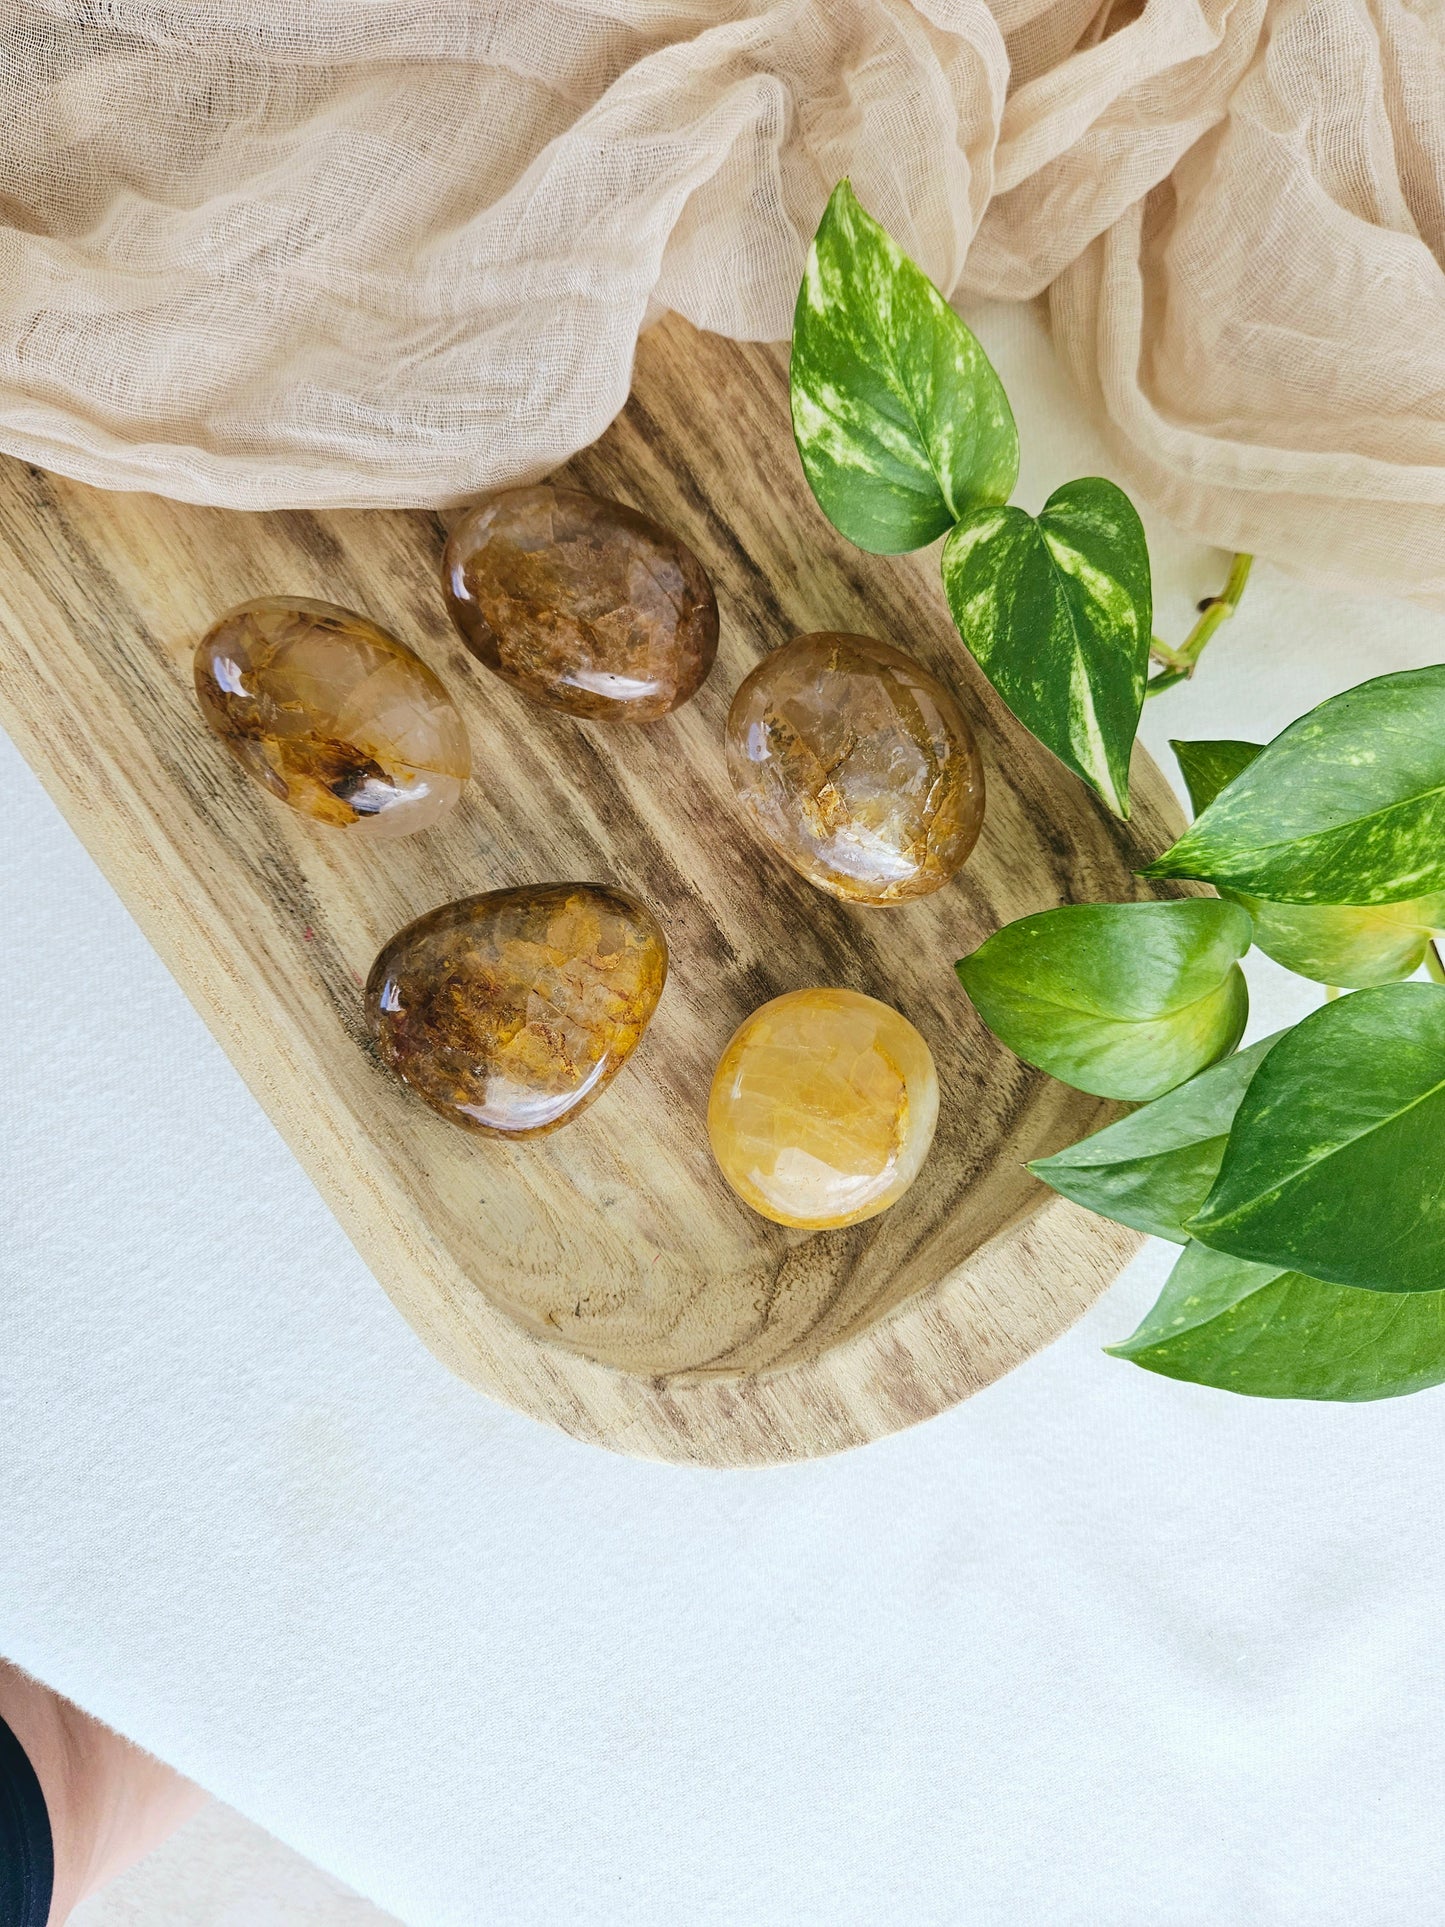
(1179, 664)
(1433, 966)
(1166, 678)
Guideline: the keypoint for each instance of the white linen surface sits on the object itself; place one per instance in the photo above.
(1092, 1648)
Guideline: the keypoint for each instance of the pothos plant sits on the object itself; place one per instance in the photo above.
(1304, 1176)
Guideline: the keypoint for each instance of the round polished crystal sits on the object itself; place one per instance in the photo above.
(858, 766)
(823, 1108)
(583, 605)
(509, 1013)
(333, 715)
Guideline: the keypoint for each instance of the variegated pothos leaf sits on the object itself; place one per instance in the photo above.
(1272, 1333)
(1125, 1000)
(1333, 1162)
(1058, 609)
(900, 420)
(1350, 946)
(1211, 766)
(1346, 806)
(1154, 1168)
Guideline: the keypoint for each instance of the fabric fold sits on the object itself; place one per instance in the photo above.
(394, 255)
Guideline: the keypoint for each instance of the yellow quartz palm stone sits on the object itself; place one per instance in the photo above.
(823, 1108)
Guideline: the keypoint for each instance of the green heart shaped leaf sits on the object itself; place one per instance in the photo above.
(1209, 767)
(1276, 1334)
(1154, 1168)
(1058, 609)
(1348, 946)
(900, 420)
(1334, 1165)
(1346, 806)
(1353, 949)
(1121, 999)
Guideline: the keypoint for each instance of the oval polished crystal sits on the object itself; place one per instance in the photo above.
(583, 605)
(858, 766)
(823, 1108)
(333, 715)
(509, 1013)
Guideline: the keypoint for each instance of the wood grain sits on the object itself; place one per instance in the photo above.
(604, 1279)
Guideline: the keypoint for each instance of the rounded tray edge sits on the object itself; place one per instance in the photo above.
(926, 1355)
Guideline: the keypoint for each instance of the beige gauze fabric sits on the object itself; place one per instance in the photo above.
(319, 252)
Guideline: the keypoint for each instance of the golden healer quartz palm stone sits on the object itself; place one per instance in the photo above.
(581, 604)
(509, 1013)
(333, 715)
(858, 766)
(823, 1108)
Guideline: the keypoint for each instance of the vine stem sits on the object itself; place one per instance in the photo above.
(1433, 966)
(1179, 664)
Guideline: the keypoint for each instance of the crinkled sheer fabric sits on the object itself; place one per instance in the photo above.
(399, 251)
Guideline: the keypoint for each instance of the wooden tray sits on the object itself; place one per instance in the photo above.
(603, 1279)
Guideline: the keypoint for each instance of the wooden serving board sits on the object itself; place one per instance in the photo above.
(605, 1278)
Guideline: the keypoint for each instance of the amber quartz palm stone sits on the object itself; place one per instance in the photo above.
(603, 1277)
(510, 1013)
(581, 603)
(858, 766)
(332, 715)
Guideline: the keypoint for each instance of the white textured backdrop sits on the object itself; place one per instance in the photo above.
(221, 1871)
(1095, 1647)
